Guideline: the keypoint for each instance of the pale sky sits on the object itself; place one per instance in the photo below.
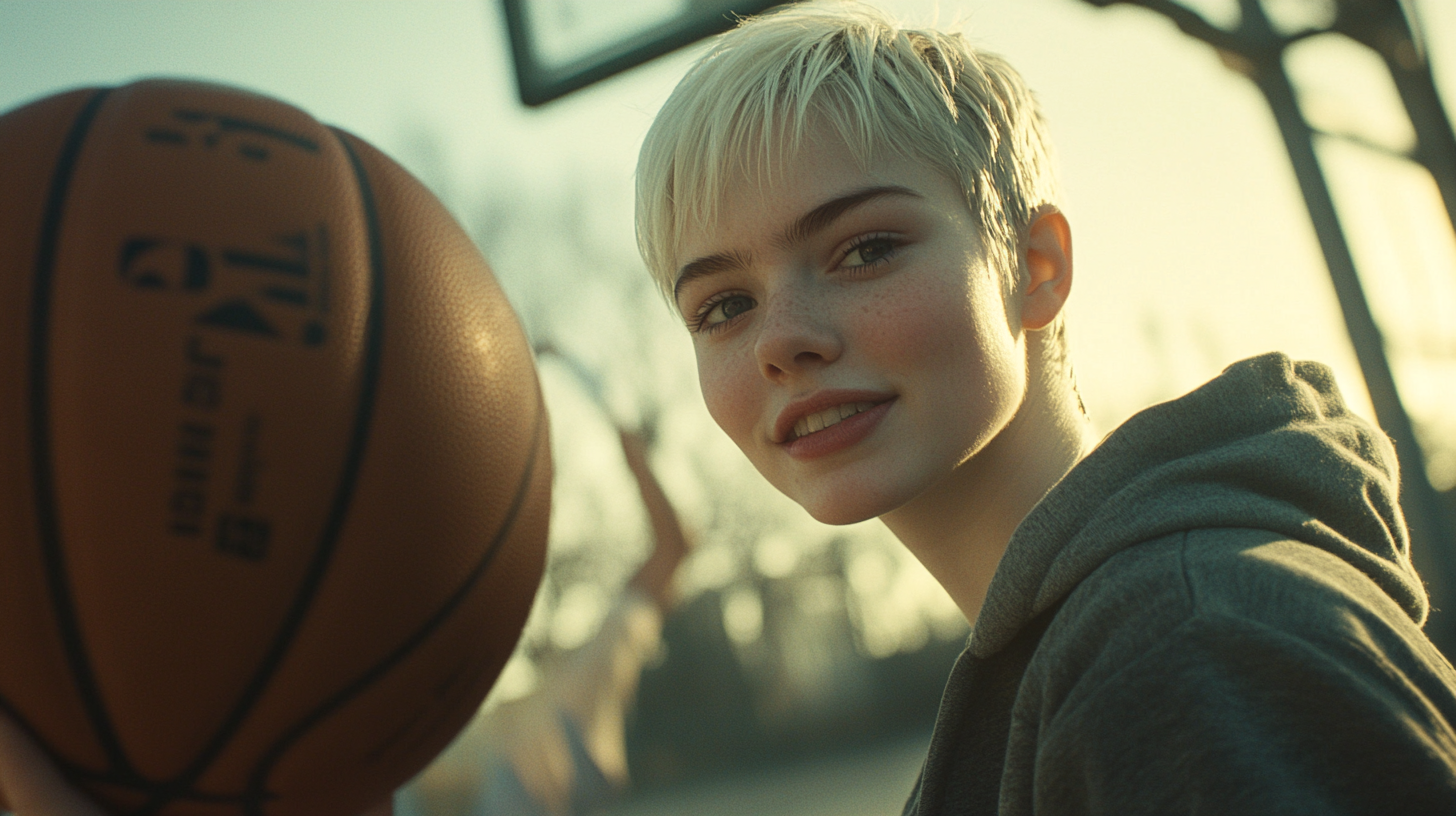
(1193, 248)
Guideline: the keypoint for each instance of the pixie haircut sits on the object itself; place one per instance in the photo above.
(885, 90)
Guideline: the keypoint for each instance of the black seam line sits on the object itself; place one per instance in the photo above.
(253, 798)
(328, 540)
(71, 768)
(42, 468)
(85, 775)
(257, 795)
(258, 783)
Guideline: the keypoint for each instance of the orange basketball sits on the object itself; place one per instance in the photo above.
(274, 468)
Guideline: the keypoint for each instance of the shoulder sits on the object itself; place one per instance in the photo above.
(1161, 592)
(1219, 660)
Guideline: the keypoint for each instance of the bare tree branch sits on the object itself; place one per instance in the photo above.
(1188, 21)
(1362, 142)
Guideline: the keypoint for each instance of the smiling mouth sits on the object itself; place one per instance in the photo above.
(829, 417)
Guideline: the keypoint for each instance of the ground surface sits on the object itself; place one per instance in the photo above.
(869, 782)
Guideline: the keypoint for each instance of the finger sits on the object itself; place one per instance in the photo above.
(30, 782)
(385, 808)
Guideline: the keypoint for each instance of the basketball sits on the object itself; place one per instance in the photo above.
(274, 465)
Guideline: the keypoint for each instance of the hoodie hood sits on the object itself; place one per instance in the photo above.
(1269, 444)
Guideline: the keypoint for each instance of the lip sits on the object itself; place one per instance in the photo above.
(846, 432)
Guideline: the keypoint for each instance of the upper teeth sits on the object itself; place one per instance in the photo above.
(827, 417)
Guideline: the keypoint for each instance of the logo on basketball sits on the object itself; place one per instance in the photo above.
(277, 290)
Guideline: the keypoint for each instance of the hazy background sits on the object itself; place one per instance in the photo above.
(1193, 250)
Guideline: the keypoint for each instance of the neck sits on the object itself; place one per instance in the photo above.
(960, 528)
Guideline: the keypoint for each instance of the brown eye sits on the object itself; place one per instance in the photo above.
(719, 312)
(869, 252)
(734, 306)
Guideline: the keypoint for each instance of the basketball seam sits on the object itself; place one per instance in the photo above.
(333, 526)
(378, 670)
(252, 798)
(48, 528)
(257, 793)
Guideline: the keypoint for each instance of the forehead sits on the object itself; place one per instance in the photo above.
(760, 198)
(792, 179)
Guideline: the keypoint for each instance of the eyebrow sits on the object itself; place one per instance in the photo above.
(803, 227)
(705, 266)
(825, 214)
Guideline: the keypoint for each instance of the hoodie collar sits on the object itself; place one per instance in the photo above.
(1268, 444)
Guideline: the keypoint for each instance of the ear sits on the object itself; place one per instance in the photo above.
(1048, 258)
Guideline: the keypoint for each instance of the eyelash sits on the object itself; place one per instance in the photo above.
(698, 325)
(891, 248)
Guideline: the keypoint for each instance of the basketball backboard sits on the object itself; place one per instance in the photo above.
(559, 46)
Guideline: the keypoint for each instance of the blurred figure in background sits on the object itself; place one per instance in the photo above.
(561, 749)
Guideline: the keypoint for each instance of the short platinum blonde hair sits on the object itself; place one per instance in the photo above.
(882, 88)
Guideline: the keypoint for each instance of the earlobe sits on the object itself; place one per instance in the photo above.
(1048, 258)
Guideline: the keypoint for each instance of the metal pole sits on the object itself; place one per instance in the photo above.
(1431, 534)
(1383, 27)
(1256, 50)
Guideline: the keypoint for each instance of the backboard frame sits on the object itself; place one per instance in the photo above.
(538, 82)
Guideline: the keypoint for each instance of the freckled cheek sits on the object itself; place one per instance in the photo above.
(908, 332)
(732, 396)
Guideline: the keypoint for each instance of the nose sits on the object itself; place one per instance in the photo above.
(796, 333)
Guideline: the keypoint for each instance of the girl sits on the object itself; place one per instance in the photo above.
(1214, 610)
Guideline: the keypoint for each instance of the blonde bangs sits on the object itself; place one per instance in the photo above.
(743, 111)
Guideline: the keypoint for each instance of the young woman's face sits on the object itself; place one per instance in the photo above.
(852, 337)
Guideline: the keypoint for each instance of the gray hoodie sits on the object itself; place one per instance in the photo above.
(1215, 612)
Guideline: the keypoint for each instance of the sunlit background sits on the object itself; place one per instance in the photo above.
(1193, 250)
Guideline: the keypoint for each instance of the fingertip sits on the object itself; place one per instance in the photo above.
(30, 784)
(385, 808)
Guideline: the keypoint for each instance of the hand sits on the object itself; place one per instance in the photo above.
(670, 540)
(31, 785)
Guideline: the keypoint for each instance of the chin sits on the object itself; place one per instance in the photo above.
(837, 515)
(846, 505)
